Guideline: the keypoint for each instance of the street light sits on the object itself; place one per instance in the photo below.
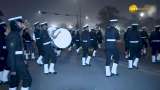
(39, 12)
(86, 17)
(142, 14)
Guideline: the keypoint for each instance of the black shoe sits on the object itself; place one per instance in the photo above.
(5, 83)
(135, 67)
(130, 68)
(109, 76)
(84, 65)
(88, 65)
(115, 74)
(46, 73)
(154, 62)
(158, 62)
(1, 83)
(55, 73)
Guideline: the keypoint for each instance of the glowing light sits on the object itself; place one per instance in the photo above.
(150, 10)
(86, 17)
(133, 8)
(142, 14)
(39, 12)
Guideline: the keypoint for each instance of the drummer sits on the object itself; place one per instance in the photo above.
(49, 54)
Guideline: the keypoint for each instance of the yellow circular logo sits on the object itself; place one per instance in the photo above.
(133, 8)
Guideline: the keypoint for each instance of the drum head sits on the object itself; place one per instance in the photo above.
(64, 38)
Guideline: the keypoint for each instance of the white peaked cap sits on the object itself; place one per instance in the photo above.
(15, 18)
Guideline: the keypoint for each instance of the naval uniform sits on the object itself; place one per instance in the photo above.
(4, 69)
(126, 41)
(99, 38)
(16, 60)
(111, 38)
(135, 47)
(144, 38)
(93, 42)
(86, 57)
(28, 46)
(155, 45)
(49, 54)
(39, 43)
(77, 41)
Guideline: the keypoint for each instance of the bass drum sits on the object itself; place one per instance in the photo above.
(63, 39)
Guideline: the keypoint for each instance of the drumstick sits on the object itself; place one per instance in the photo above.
(55, 36)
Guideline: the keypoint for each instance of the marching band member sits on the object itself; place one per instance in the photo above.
(126, 43)
(135, 46)
(28, 44)
(15, 59)
(77, 41)
(37, 32)
(155, 44)
(111, 38)
(85, 36)
(144, 37)
(99, 38)
(93, 42)
(49, 54)
(4, 69)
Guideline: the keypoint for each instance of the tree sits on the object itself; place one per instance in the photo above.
(107, 13)
(1, 15)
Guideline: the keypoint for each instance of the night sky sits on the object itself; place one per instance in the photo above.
(28, 8)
